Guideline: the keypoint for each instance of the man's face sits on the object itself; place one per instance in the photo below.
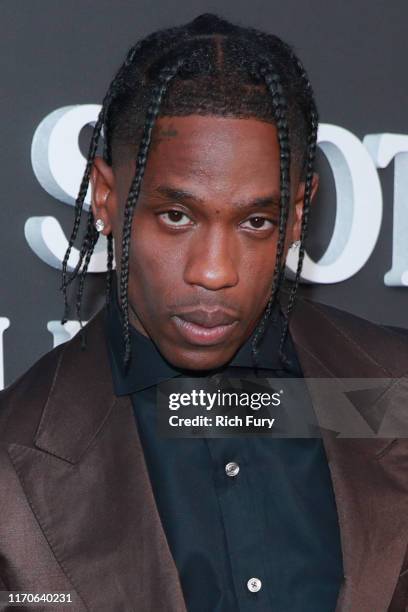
(204, 234)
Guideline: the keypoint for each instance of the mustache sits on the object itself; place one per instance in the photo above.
(203, 304)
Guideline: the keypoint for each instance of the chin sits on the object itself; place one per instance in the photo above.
(198, 359)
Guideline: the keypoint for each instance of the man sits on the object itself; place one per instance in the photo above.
(205, 181)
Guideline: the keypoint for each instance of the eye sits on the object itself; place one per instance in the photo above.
(260, 223)
(174, 218)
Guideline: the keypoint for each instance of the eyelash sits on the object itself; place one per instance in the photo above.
(167, 212)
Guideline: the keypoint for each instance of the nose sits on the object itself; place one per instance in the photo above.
(212, 261)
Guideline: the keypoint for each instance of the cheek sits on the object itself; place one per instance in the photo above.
(154, 268)
(256, 274)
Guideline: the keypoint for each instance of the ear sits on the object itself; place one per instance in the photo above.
(103, 194)
(299, 201)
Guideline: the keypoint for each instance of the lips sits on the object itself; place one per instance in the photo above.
(205, 327)
(207, 318)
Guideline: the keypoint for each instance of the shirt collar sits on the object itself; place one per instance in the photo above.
(149, 367)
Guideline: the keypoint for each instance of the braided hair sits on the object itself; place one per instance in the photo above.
(208, 66)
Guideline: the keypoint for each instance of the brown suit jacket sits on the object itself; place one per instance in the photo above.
(77, 511)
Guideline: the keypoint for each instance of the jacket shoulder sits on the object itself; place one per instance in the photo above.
(387, 346)
(22, 403)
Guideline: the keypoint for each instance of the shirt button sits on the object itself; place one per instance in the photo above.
(254, 585)
(232, 468)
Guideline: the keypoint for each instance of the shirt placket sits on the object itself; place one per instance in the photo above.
(242, 523)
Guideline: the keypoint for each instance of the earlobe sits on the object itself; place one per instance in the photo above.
(102, 185)
(297, 224)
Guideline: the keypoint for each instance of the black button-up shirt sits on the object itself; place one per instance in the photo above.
(275, 521)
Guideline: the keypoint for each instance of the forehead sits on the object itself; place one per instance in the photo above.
(211, 153)
(215, 146)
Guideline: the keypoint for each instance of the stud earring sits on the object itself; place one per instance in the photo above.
(99, 225)
(295, 245)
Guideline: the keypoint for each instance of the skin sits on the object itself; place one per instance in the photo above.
(214, 248)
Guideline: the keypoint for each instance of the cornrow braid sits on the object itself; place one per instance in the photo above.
(166, 74)
(109, 268)
(90, 237)
(303, 232)
(310, 163)
(79, 203)
(274, 86)
(92, 241)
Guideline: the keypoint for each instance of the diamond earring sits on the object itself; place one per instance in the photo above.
(99, 225)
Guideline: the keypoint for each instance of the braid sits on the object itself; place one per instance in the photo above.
(78, 209)
(274, 86)
(92, 242)
(84, 248)
(304, 227)
(310, 162)
(109, 268)
(90, 238)
(164, 78)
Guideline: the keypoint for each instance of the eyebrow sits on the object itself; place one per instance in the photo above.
(172, 193)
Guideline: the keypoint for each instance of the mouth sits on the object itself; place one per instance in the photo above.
(206, 329)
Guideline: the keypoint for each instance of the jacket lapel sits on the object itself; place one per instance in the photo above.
(368, 474)
(88, 485)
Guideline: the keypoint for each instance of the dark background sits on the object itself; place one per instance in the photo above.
(54, 54)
